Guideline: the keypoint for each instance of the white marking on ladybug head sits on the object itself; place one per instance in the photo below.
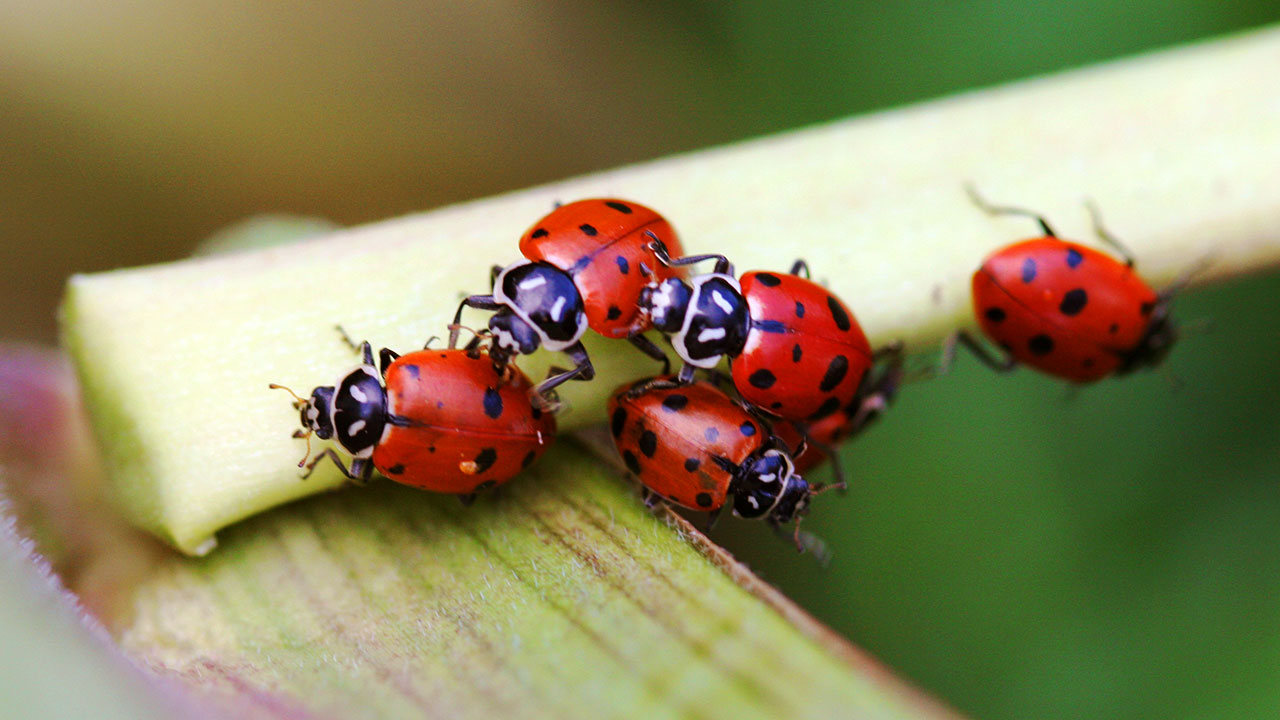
(505, 340)
(755, 505)
(355, 428)
(557, 310)
(709, 334)
(358, 394)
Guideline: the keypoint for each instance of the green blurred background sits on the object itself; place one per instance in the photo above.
(1020, 552)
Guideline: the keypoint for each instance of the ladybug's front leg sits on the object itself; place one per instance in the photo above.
(359, 472)
(659, 249)
(647, 347)
(582, 370)
(480, 302)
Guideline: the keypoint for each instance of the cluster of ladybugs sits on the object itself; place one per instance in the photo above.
(803, 376)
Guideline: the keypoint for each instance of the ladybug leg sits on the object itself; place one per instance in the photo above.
(1001, 365)
(583, 370)
(480, 302)
(342, 332)
(659, 249)
(800, 268)
(712, 517)
(494, 272)
(1095, 216)
(386, 356)
(988, 208)
(686, 375)
(878, 391)
(359, 471)
(651, 499)
(648, 347)
(837, 467)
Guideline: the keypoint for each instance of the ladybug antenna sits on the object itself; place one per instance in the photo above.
(1181, 282)
(819, 488)
(1095, 217)
(298, 402)
(453, 334)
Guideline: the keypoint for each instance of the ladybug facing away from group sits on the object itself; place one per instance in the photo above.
(585, 265)
(1066, 309)
(693, 446)
(448, 421)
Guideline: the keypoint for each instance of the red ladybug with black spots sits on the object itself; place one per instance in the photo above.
(582, 268)
(1067, 309)
(441, 420)
(694, 446)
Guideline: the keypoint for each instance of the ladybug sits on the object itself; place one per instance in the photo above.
(693, 446)
(585, 266)
(441, 420)
(1067, 309)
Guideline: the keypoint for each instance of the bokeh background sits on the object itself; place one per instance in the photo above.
(1016, 549)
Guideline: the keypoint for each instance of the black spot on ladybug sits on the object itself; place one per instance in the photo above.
(768, 280)
(431, 448)
(799, 309)
(1074, 301)
(587, 229)
(995, 314)
(540, 232)
(711, 434)
(629, 459)
(836, 371)
(624, 267)
(492, 403)
(486, 459)
(648, 443)
(692, 464)
(1147, 307)
(703, 499)
(775, 405)
(769, 326)
(617, 421)
(614, 313)
(396, 469)
(675, 402)
(747, 429)
(581, 264)
(828, 406)
(618, 206)
(537, 413)
(528, 459)
(1088, 362)
(838, 314)
(1115, 328)
(1028, 270)
(439, 404)
(796, 352)
(762, 379)
(1040, 345)
(1074, 258)
(410, 369)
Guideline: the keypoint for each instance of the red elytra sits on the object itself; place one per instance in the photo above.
(468, 426)
(695, 447)
(601, 243)
(805, 354)
(1067, 309)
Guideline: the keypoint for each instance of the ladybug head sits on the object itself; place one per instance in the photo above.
(315, 412)
(1156, 342)
(512, 335)
(666, 303)
(767, 485)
